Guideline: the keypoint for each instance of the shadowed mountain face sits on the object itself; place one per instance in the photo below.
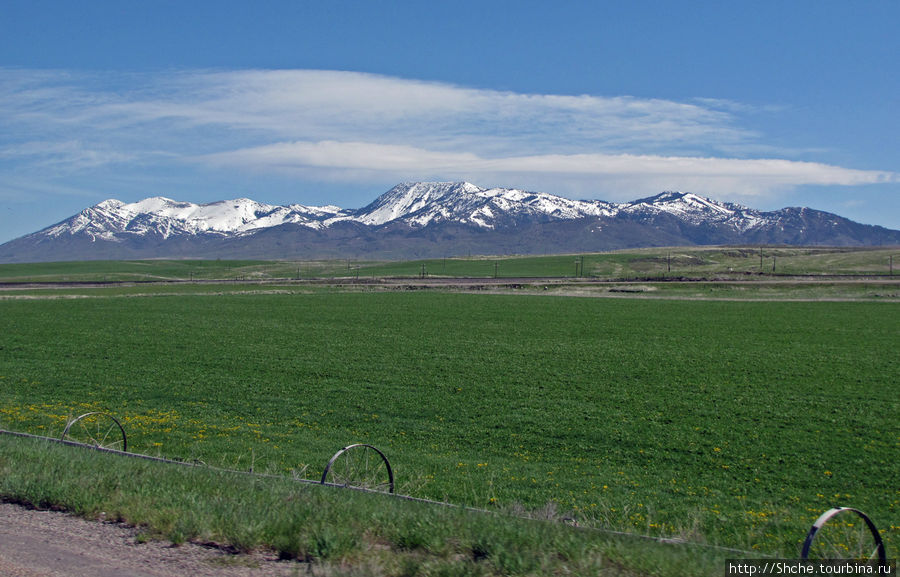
(419, 220)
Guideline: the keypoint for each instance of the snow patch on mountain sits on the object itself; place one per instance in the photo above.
(162, 216)
(413, 204)
(424, 199)
(693, 209)
(423, 203)
(399, 223)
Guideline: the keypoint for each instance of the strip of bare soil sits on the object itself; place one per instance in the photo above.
(52, 544)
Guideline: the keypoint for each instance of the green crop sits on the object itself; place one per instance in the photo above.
(736, 423)
(697, 262)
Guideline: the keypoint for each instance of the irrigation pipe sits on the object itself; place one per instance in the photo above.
(662, 540)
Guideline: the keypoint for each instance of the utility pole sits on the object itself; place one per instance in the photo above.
(496, 265)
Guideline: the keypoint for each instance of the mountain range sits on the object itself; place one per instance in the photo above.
(426, 219)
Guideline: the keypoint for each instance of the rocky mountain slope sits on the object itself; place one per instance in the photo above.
(414, 220)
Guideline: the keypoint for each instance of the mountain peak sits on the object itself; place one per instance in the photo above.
(417, 219)
(422, 203)
(411, 197)
(109, 204)
(693, 206)
(666, 196)
(432, 190)
(154, 204)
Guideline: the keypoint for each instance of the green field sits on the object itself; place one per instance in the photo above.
(731, 423)
(661, 263)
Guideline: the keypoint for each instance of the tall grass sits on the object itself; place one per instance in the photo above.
(337, 528)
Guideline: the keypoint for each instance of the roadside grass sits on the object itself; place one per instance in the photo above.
(341, 531)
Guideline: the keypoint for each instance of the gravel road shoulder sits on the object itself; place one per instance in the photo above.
(52, 544)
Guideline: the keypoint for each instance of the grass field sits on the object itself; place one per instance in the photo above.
(333, 532)
(732, 423)
(693, 262)
(662, 263)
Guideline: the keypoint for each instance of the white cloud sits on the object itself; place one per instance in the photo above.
(347, 126)
(347, 106)
(61, 156)
(361, 160)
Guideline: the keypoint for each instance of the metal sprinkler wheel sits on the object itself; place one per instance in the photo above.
(845, 533)
(99, 430)
(361, 466)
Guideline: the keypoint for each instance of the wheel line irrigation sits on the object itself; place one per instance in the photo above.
(343, 485)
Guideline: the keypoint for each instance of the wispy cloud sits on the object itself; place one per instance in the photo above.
(346, 126)
(61, 156)
(361, 160)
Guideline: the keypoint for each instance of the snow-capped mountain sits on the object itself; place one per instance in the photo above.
(424, 219)
(696, 210)
(424, 203)
(112, 219)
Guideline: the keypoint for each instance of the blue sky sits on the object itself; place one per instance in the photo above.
(765, 103)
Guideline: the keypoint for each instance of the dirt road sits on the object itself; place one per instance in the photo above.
(52, 544)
